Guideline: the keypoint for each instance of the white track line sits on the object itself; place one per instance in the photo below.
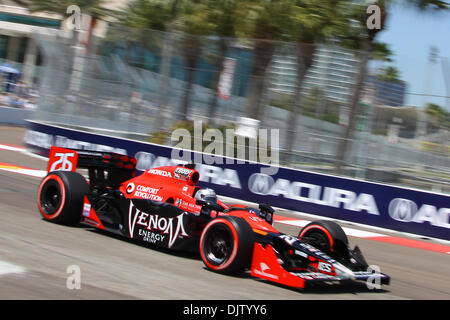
(28, 172)
(9, 268)
(11, 148)
(349, 231)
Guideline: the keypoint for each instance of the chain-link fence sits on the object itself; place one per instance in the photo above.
(141, 83)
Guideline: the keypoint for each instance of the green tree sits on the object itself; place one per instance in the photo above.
(263, 22)
(140, 16)
(188, 18)
(224, 14)
(363, 38)
(381, 52)
(435, 110)
(148, 14)
(96, 9)
(195, 25)
(311, 24)
(389, 74)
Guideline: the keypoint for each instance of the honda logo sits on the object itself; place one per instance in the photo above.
(402, 210)
(260, 183)
(144, 160)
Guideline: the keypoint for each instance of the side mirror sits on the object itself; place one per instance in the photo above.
(210, 205)
(266, 208)
(266, 212)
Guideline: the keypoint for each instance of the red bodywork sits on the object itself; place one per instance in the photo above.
(177, 185)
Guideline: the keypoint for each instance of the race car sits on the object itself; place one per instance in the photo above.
(164, 206)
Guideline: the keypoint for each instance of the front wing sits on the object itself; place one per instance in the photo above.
(266, 265)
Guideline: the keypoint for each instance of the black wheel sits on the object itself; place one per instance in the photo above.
(61, 195)
(327, 236)
(226, 245)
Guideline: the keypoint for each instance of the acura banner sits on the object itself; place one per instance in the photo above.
(401, 209)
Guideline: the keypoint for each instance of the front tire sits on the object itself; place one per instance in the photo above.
(226, 245)
(61, 195)
(327, 236)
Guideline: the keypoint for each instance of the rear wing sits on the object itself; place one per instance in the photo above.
(104, 167)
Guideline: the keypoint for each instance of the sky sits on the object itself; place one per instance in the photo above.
(410, 34)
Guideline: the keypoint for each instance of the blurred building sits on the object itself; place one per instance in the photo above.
(388, 93)
(283, 74)
(17, 46)
(17, 26)
(333, 71)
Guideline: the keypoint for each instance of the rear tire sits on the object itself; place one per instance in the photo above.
(327, 236)
(226, 245)
(61, 195)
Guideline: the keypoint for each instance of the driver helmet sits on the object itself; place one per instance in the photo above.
(206, 195)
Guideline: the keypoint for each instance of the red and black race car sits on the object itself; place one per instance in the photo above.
(164, 206)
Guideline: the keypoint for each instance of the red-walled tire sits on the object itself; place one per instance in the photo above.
(326, 236)
(226, 245)
(60, 197)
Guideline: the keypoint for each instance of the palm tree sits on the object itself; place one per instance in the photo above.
(389, 74)
(224, 15)
(381, 52)
(264, 22)
(195, 25)
(366, 45)
(259, 19)
(312, 22)
(189, 18)
(148, 14)
(96, 9)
